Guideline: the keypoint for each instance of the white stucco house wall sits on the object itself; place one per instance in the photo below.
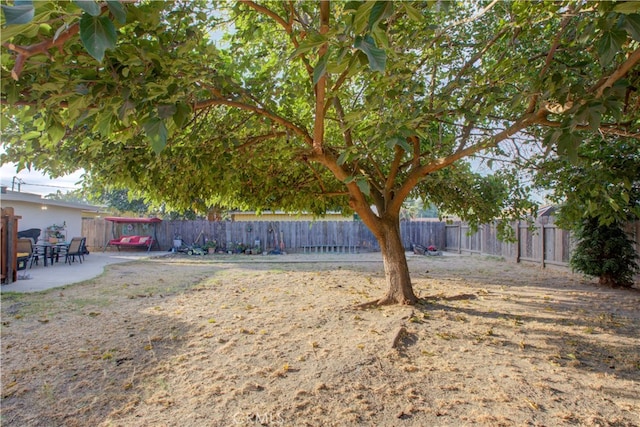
(38, 212)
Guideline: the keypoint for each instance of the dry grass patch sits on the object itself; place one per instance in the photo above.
(276, 341)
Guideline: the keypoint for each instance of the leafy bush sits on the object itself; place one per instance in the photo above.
(605, 251)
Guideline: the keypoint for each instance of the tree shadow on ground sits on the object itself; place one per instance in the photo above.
(580, 339)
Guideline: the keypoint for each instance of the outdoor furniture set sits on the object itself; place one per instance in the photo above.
(29, 252)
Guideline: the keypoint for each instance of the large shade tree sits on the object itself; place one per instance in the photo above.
(314, 105)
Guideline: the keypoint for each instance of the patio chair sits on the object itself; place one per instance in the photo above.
(26, 254)
(76, 249)
(33, 233)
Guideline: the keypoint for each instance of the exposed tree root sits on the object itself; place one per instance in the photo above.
(398, 336)
(383, 302)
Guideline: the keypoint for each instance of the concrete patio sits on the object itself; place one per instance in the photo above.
(40, 278)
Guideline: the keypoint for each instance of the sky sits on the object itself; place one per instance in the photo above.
(35, 182)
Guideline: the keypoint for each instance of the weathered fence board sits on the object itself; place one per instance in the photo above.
(424, 233)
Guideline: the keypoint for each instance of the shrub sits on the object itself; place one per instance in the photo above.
(605, 251)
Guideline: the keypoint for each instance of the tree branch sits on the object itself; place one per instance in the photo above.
(260, 138)
(416, 175)
(334, 89)
(357, 200)
(393, 173)
(25, 52)
(376, 168)
(556, 40)
(607, 128)
(317, 175)
(270, 13)
(415, 161)
(286, 25)
(631, 61)
(466, 133)
(260, 111)
(554, 47)
(321, 85)
(472, 18)
(346, 131)
(480, 54)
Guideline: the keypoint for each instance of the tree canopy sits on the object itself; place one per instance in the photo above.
(315, 105)
(602, 182)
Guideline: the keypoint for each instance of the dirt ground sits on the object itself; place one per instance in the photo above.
(248, 341)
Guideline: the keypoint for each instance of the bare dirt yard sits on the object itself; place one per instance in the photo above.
(248, 341)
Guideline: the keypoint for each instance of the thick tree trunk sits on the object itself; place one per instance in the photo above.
(400, 290)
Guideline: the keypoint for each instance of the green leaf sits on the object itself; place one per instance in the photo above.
(12, 93)
(89, 6)
(314, 40)
(103, 124)
(354, 116)
(77, 104)
(376, 56)
(568, 146)
(55, 132)
(413, 13)
(19, 14)
(380, 36)
(156, 131)
(183, 112)
(354, 67)
(31, 135)
(321, 68)
(349, 180)
(361, 19)
(363, 185)
(405, 145)
(595, 117)
(379, 11)
(627, 7)
(97, 34)
(342, 158)
(632, 25)
(166, 110)
(625, 197)
(27, 30)
(117, 10)
(609, 45)
(124, 109)
(339, 66)
(398, 140)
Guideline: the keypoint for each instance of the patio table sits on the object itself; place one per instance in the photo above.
(50, 250)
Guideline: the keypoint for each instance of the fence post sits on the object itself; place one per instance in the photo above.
(9, 244)
(518, 242)
(542, 240)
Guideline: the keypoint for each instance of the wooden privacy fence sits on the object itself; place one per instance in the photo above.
(292, 236)
(543, 242)
(551, 246)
